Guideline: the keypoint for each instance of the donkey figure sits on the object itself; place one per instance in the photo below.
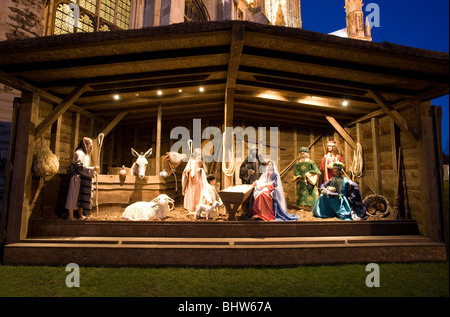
(140, 165)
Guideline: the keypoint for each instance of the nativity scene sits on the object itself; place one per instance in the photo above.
(332, 159)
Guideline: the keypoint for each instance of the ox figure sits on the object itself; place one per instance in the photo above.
(140, 165)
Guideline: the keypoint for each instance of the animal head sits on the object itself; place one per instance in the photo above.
(170, 162)
(140, 165)
(176, 158)
(164, 200)
(216, 204)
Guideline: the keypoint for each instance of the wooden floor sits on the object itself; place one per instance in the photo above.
(121, 243)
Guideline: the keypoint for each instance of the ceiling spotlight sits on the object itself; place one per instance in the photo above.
(202, 89)
(345, 103)
(116, 97)
(180, 90)
(159, 92)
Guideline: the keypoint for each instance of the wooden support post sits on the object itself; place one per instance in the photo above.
(359, 139)
(90, 132)
(376, 156)
(398, 119)
(158, 141)
(60, 109)
(311, 141)
(347, 156)
(227, 181)
(75, 130)
(19, 209)
(236, 46)
(427, 152)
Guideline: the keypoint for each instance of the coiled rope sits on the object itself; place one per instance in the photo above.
(357, 164)
(229, 171)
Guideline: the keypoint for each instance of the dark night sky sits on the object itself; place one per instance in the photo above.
(422, 24)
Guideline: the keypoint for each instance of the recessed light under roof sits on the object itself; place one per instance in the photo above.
(116, 97)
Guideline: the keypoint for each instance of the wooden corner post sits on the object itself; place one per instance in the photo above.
(19, 208)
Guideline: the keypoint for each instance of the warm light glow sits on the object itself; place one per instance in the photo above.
(116, 97)
(345, 103)
(202, 89)
(180, 90)
(270, 94)
(159, 92)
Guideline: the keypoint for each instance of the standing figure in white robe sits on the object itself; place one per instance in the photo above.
(193, 180)
(80, 187)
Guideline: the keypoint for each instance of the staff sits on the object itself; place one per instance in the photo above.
(100, 143)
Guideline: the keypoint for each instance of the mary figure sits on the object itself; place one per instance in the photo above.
(268, 202)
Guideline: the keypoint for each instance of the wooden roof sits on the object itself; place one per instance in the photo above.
(277, 74)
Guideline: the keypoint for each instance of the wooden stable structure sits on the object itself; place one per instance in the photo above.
(250, 75)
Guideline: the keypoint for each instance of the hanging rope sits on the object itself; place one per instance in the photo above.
(229, 171)
(357, 164)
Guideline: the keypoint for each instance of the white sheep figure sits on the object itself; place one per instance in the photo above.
(158, 208)
(207, 209)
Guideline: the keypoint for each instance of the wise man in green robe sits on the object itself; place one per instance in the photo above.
(306, 176)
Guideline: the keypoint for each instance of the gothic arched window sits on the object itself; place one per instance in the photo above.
(195, 11)
(72, 16)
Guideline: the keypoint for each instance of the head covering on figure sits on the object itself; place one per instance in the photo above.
(278, 192)
(85, 145)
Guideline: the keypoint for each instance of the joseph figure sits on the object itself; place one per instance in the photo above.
(252, 167)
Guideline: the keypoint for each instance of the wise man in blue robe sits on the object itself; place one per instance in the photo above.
(340, 197)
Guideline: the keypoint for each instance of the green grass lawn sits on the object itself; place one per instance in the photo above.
(396, 280)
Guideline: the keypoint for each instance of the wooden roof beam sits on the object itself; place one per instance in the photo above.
(348, 84)
(427, 95)
(345, 66)
(21, 85)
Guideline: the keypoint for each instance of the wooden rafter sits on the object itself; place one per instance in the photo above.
(114, 122)
(342, 132)
(60, 109)
(21, 85)
(390, 111)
